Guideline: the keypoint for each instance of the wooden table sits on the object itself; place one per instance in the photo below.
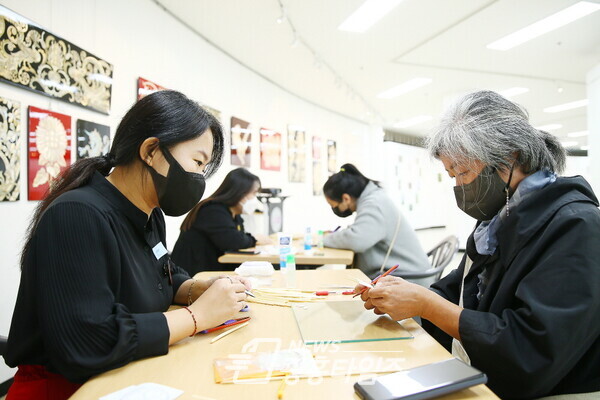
(328, 256)
(188, 366)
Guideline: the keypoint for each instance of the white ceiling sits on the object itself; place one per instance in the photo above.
(444, 40)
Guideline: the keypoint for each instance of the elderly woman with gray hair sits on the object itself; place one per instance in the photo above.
(524, 304)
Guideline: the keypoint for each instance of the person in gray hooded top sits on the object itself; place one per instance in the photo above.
(379, 226)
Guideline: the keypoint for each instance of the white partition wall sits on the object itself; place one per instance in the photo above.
(593, 115)
(423, 191)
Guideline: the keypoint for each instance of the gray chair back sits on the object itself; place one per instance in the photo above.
(439, 257)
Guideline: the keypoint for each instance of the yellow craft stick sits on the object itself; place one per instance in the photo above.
(282, 387)
(222, 335)
(268, 303)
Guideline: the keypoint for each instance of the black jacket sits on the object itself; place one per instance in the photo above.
(536, 329)
(214, 232)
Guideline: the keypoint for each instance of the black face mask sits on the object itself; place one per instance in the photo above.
(485, 196)
(180, 190)
(343, 214)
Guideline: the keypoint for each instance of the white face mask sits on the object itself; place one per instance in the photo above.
(251, 206)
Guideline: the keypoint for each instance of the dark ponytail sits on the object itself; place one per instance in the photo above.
(167, 115)
(349, 180)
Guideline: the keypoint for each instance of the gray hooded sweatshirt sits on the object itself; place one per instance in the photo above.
(371, 235)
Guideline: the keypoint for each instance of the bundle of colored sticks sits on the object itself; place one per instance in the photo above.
(282, 297)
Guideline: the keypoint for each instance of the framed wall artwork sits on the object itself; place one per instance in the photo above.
(146, 87)
(296, 154)
(317, 166)
(37, 60)
(270, 150)
(93, 140)
(216, 113)
(241, 142)
(10, 149)
(49, 149)
(331, 157)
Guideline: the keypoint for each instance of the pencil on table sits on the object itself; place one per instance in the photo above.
(222, 335)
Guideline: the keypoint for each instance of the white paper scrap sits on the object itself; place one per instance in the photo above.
(145, 391)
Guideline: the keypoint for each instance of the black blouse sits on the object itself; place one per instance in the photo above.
(94, 286)
(214, 232)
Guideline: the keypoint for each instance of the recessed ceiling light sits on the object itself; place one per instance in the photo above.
(566, 106)
(549, 127)
(515, 91)
(413, 121)
(367, 15)
(578, 134)
(545, 25)
(569, 144)
(405, 87)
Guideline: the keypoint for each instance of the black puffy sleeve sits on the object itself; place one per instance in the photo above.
(448, 288)
(77, 272)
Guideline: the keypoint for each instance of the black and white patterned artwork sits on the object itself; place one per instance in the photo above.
(10, 149)
(93, 140)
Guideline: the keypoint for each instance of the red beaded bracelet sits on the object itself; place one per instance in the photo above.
(190, 291)
(194, 318)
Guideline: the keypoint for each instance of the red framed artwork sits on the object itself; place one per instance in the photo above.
(270, 150)
(48, 148)
(146, 87)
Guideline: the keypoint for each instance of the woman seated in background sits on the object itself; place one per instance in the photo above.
(380, 235)
(214, 226)
(523, 305)
(96, 279)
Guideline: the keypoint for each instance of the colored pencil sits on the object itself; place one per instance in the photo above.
(374, 281)
(222, 335)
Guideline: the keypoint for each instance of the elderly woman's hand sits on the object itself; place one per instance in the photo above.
(396, 297)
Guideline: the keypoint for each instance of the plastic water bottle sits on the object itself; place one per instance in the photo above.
(320, 244)
(285, 248)
(307, 240)
(290, 271)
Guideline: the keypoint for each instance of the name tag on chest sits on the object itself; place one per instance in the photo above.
(159, 250)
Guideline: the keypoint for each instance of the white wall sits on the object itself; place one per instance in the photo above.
(139, 39)
(593, 113)
(578, 166)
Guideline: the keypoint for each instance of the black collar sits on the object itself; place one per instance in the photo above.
(137, 217)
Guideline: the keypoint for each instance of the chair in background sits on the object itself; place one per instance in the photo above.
(440, 256)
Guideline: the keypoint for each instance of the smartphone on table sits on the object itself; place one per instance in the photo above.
(423, 382)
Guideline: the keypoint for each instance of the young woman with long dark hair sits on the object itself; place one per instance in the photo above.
(96, 279)
(215, 225)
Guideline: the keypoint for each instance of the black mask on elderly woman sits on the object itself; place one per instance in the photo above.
(180, 190)
(484, 197)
